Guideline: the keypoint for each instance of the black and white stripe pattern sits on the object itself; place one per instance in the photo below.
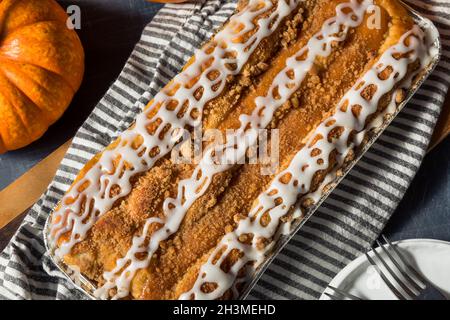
(349, 221)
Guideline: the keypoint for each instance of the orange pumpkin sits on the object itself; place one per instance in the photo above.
(41, 68)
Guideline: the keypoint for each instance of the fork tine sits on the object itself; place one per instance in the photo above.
(332, 297)
(345, 294)
(402, 284)
(404, 261)
(410, 280)
(385, 279)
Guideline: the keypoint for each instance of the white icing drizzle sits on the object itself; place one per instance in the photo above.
(221, 158)
(104, 183)
(294, 184)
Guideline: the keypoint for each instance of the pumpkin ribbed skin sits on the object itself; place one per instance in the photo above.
(41, 68)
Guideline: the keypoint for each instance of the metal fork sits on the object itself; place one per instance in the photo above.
(413, 285)
(338, 294)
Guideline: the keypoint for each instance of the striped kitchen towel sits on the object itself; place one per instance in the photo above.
(346, 224)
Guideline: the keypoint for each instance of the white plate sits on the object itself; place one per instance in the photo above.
(430, 257)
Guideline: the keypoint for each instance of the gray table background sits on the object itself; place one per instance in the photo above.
(109, 30)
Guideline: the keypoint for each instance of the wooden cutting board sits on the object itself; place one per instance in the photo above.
(25, 191)
(443, 125)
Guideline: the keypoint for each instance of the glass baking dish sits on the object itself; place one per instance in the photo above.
(433, 43)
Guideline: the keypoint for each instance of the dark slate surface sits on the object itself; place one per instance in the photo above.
(109, 30)
(425, 210)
